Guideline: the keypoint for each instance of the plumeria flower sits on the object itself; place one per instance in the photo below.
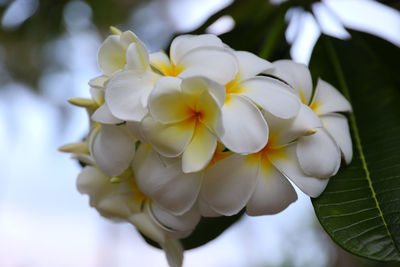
(246, 130)
(185, 119)
(120, 199)
(164, 181)
(115, 52)
(197, 55)
(324, 147)
(126, 92)
(258, 181)
(110, 141)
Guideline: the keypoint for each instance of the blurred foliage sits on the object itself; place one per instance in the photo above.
(22, 46)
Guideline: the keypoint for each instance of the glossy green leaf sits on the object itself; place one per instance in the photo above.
(360, 209)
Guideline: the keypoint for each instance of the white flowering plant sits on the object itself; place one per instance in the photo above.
(203, 131)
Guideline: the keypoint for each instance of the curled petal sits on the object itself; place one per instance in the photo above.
(166, 185)
(296, 75)
(318, 155)
(181, 45)
(170, 140)
(328, 99)
(336, 125)
(215, 63)
(290, 167)
(250, 65)
(229, 184)
(200, 150)
(112, 148)
(273, 96)
(245, 128)
(272, 194)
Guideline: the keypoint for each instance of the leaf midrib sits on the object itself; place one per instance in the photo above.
(342, 82)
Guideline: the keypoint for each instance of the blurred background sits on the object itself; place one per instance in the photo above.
(48, 53)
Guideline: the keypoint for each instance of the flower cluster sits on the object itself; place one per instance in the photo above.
(203, 131)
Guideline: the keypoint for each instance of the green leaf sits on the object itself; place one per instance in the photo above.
(360, 209)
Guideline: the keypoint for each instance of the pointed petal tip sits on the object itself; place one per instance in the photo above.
(79, 148)
(115, 30)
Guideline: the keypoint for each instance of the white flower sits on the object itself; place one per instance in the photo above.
(185, 120)
(258, 181)
(246, 131)
(121, 200)
(319, 154)
(197, 55)
(126, 91)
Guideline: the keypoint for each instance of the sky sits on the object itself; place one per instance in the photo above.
(44, 221)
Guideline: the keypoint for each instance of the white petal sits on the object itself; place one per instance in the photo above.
(285, 131)
(103, 115)
(182, 44)
(336, 125)
(296, 75)
(318, 155)
(328, 99)
(124, 92)
(205, 209)
(245, 128)
(272, 194)
(137, 57)
(113, 149)
(229, 184)
(167, 103)
(103, 195)
(128, 37)
(98, 95)
(210, 113)
(148, 227)
(290, 167)
(111, 56)
(176, 226)
(250, 65)
(195, 86)
(215, 63)
(90, 181)
(135, 130)
(200, 150)
(166, 185)
(272, 95)
(170, 140)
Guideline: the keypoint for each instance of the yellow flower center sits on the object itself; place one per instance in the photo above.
(233, 87)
